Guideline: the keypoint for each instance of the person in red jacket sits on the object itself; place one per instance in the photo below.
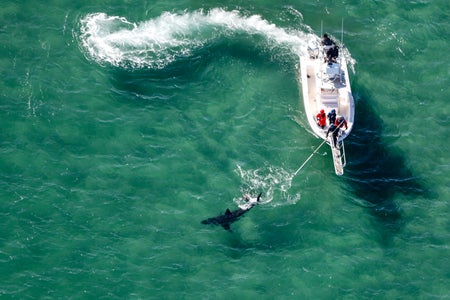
(321, 119)
(340, 122)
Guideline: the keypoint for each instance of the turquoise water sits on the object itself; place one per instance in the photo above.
(124, 124)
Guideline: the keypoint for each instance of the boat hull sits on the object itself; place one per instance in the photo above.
(326, 85)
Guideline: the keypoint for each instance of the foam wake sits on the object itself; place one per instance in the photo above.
(272, 182)
(161, 41)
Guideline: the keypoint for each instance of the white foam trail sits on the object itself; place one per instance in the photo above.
(272, 182)
(158, 42)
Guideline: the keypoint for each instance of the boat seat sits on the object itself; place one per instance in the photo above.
(329, 99)
(330, 103)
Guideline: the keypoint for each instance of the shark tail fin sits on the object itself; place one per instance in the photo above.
(259, 197)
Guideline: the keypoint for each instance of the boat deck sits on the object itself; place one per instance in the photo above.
(326, 86)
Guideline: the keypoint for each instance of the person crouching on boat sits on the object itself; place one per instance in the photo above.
(333, 53)
(335, 129)
(331, 49)
(326, 41)
(340, 122)
(321, 119)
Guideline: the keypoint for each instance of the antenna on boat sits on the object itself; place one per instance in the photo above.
(343, 47)
(321, 28)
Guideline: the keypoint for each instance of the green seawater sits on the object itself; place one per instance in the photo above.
(127, 123)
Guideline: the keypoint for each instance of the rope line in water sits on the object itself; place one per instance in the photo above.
(314, 152)
(306, 161)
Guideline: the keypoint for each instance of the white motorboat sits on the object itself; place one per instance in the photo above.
(326, 86)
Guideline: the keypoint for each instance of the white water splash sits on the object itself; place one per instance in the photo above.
(161, 41)
(273, 182)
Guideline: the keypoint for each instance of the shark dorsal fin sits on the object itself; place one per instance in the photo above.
(228, 212)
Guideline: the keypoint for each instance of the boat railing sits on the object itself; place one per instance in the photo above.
(343, 158)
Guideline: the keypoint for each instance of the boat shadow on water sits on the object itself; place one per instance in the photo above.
(376, 171)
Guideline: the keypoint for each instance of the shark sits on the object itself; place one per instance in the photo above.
(230, 217)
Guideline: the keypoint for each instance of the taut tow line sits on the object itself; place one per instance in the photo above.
(306, 161)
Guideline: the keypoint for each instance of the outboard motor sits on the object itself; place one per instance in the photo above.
(313, 50)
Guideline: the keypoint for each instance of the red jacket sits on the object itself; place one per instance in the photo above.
(341, 123)
(321, 119)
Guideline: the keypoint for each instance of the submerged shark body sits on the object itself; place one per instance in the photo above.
(229, 217)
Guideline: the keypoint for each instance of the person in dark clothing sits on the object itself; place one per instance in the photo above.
(332, 116)
(326, 41)
(333, 53)
(335, 132)
(331, 48)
